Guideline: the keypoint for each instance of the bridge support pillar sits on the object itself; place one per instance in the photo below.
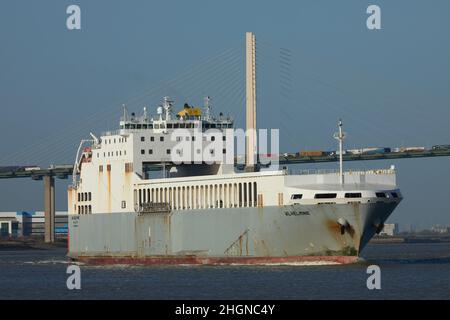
(49, 208)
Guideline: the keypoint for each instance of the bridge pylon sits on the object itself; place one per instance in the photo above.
(49, 208)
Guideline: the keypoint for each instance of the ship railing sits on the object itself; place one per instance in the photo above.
(336, 172)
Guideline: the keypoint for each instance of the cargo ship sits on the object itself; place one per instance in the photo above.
(210, 212)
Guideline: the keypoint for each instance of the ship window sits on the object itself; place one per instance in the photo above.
(224, 151)
(325, 195)
(199, 151)
(142, 151)
(178, 138)
(193, 138)
(353, 195)
(127, 126)
(89, 196)
(182, 125)
(213, 125)
(162, 126)
(161, 139)
(114, 140)
(394, 194)
(213, 138)
(176, 125)
(150, 151)
(144, 126)
(138, 126)
(132, 126)
(152, 138)
(100, 168)
(380, 194)
(224, 138)
(150, 126)
(187, 138)
(168, 151)
(142, 139)
(156, 126)
(296, 196)
(169, 126)
(211, 151)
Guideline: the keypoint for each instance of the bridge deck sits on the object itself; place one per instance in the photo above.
(64, 173)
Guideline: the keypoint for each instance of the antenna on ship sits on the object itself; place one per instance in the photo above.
(145, 113)
(167, 105)
(207, 108)
(125, 113)
(340, 136)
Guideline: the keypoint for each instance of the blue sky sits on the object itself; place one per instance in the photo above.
(391, 86)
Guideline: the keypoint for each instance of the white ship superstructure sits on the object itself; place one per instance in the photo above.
(207, 213)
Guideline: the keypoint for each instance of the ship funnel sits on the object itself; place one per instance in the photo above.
(250, 114)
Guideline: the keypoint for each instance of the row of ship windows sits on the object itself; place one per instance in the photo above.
(298, 196)
(84, 196)
(161, 139)
(177, 126)
(202, 197)
(120, 140)
(111, 154)
(128, 167)
(84, 209)
(187, 138)
(180, 152)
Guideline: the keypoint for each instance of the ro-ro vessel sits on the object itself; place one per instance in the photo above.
(210, 213)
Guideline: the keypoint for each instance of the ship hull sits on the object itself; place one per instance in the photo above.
(333, 233)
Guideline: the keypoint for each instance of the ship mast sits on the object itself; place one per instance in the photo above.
(250, 115)
(340, 136)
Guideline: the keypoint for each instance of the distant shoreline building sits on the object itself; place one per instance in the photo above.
(440, 229)
(30, 223)
(390, 229)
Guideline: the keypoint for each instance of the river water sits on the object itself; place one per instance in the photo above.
(408, 271)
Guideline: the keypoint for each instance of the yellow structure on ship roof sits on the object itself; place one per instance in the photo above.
(189, 111)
